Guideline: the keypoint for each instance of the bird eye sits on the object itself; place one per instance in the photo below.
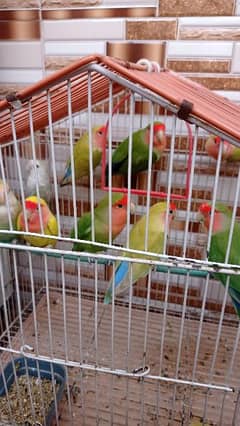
(100, 132)
(37, 165)
(120, 206)
(171, 211)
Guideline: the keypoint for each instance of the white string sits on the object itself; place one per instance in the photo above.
(152, 66)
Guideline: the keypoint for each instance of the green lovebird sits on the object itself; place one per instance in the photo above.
(140, 151)
(230, 152)
(219, 243)
(14, 209)
(101, 223)
(156, 230)
(81, 155)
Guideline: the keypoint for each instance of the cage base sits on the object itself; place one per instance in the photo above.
(106, 399)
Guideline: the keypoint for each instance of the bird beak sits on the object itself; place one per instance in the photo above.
(161, 134)
(28, 214)
(132, 208)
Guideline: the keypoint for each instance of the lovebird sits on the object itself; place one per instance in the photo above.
(229, 152)
(50, 225)
(140, 151)
(81, 155)
(156, 230)
(44, 184)
(14, 209)
(101, 222)
(218, 246)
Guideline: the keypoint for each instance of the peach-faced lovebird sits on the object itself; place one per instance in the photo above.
(229, 152)
(101, 222)
(81, 155)
(8, 200)
(140, 151)
(50, 226)
(219, 243)
(156, 230)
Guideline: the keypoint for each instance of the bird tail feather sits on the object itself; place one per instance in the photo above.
(67, 176)
(235, 296)
(120, 275)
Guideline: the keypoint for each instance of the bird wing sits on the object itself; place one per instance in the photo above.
(52, 226)
(84, 226)
(120, 155)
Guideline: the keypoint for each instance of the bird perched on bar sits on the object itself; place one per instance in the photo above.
(38, 175)
(140, 151)
(9, 208)
(156, 230)
(35, 208)
(230, 152)
(219, 243)
(81, 155)
(101, 223)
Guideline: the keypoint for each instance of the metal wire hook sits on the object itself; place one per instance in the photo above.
(24, 348)
(141, 371)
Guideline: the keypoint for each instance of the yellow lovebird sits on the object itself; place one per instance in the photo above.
(49, 221)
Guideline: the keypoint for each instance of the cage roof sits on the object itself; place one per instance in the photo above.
(203, 106)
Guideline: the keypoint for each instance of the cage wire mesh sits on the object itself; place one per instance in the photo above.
(164, 351)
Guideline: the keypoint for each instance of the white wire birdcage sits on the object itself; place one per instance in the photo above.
(164, 351)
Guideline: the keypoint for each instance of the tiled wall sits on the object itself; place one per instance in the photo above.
(200, 39)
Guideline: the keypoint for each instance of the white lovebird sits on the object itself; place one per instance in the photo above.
(38, 175)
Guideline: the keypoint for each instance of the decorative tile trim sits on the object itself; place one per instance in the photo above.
(19, 30)
(19, 25)
(19, 15)
(96, 13)
(133, 51)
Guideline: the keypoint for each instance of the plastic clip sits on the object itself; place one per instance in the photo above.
(13, 100)
(185, 109)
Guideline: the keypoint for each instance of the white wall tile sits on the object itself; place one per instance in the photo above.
(84, 29)
(20, 76)
(238, 7)
(20, 54)
(74, 48)
(210, 21)
(236, 58)
(186, 49)
(232, 95)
